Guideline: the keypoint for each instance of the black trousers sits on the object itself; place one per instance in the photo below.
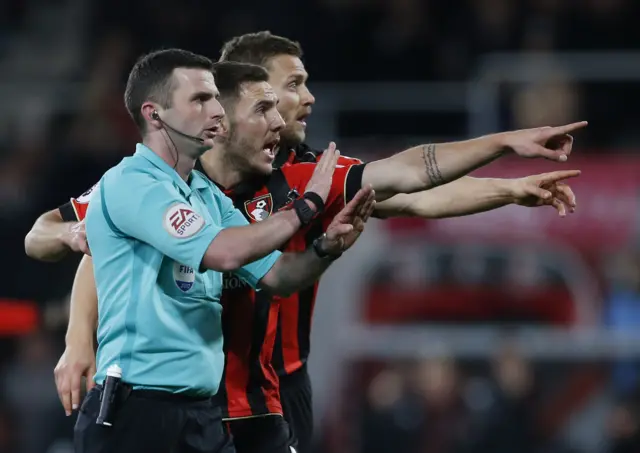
(297, 404)
(269, 434)
(152, 422)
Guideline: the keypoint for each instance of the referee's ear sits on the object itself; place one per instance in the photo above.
(151, 115)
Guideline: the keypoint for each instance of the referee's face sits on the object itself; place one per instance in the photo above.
(288, 78)
(195, 109)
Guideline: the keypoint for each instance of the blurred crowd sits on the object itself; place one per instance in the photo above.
(508, 404)
(51, 150)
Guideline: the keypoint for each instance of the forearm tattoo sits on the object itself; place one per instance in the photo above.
(433, 171)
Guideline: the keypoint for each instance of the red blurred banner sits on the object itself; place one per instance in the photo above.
(608, 199)
(18, 317)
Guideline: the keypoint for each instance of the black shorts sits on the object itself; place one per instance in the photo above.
(296, 397)
(152, 422)
(269, 434)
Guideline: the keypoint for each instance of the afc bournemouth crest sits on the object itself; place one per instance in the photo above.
(259, 208)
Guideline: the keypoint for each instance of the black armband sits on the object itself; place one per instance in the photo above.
(304, 211)
(353, 182)
(67, 212)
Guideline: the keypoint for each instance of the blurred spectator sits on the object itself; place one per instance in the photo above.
(624, 429)
(436, 382)
(30, 391)
(392, 418)
(622, 312)
(551, 101)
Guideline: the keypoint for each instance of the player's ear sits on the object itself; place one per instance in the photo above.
(225, 126)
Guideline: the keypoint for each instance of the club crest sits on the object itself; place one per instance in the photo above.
(259, 208)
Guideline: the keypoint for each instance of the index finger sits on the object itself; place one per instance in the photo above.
(76, 384)
(64, 394)
(560, 130)
(559, 175)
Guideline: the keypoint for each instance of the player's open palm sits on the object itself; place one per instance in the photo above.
(322, 177)
(347, 226)
(78, 360)
(547, 189)
(553, 143)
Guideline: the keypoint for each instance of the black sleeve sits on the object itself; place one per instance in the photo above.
(354, 182)
(67, 212)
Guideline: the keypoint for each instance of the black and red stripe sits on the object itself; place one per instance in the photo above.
(267, 336)
(250, 382)
(293, 339)
(250, 385)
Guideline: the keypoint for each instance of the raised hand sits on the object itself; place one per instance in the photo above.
(322, 177)
(553, 143)
(348, 224)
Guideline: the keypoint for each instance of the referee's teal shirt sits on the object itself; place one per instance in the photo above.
(158, 315)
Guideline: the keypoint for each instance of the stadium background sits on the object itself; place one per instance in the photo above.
(509, 331)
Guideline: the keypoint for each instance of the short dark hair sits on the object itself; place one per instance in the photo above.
(258, 48)
(150, 79)
(230, 75)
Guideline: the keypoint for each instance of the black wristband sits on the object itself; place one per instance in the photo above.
(321, 253)
(316, 200)
(304, 211)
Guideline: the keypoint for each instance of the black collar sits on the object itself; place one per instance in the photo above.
(243, 190)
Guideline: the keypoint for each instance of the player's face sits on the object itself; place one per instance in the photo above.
(289, 80)
(195, 109)
(254, 129)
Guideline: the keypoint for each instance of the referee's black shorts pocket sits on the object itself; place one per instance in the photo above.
(91, 403)
(87, 436)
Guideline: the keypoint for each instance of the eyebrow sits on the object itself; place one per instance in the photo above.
(204, 95)
(266, 103)
(298, 77)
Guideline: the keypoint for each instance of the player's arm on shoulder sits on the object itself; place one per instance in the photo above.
(53, 234)
(45, 240)
(464, 196)
(430, 165)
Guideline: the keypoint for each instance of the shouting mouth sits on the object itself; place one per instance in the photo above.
(269, 148)
(302, 120)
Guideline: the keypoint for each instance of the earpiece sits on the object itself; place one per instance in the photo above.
(155, 115)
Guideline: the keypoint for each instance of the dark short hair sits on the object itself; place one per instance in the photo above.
(230, 75)
(150, 79)
(259, 48)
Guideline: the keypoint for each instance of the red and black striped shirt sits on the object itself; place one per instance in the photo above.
(251, 319)
(293, 336)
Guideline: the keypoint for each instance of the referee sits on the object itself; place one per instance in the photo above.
(154, 228)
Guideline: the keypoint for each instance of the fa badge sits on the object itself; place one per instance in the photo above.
(259, 208)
